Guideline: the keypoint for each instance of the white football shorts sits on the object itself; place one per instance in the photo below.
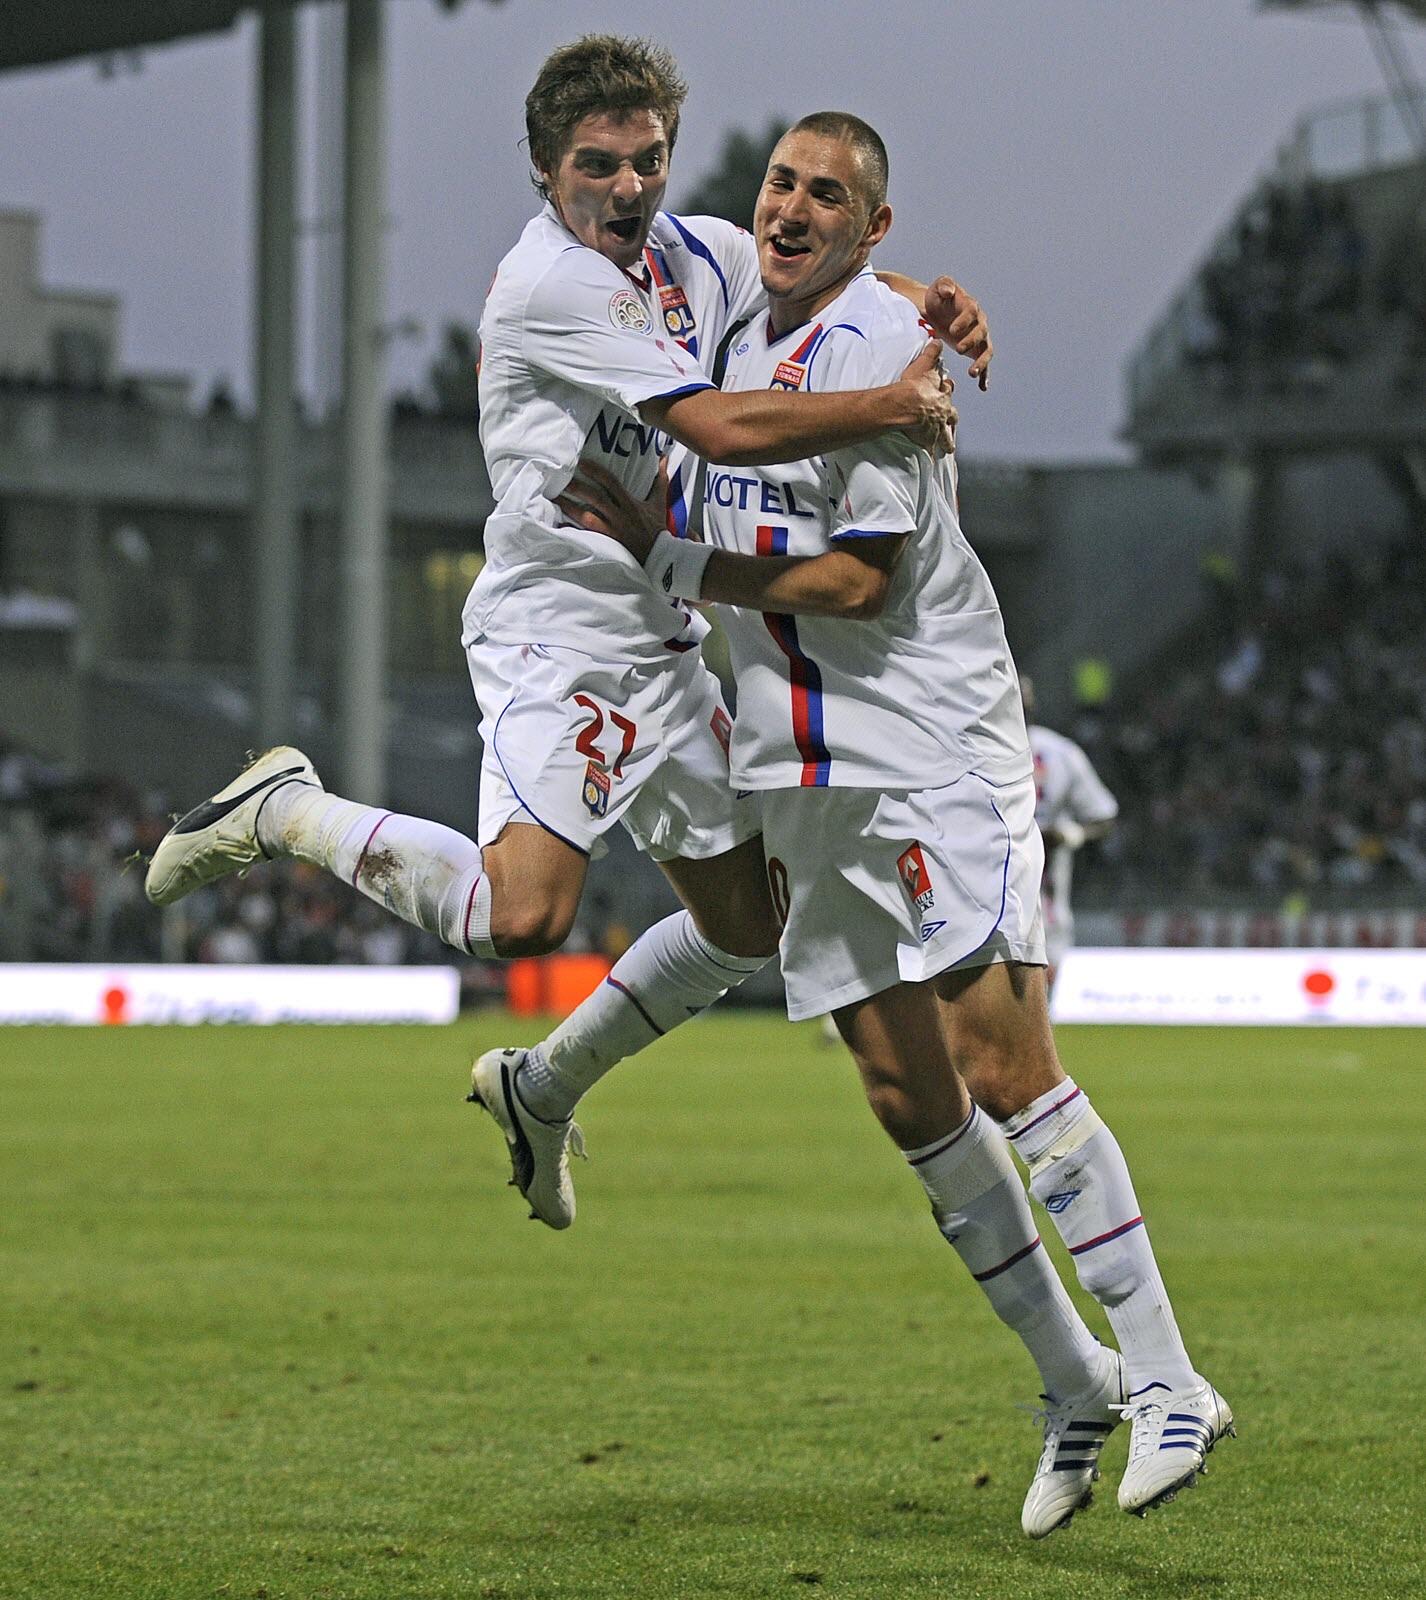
(576, 744)
(876, 889)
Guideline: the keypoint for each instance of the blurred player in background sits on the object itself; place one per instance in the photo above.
(879, 719)
(1072, 807)
(596, 707)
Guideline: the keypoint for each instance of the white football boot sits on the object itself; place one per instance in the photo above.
(1075, 1431)
(1173, 1433)
(539, 1151)
(220, 836)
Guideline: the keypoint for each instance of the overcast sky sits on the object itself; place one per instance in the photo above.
(1069, 159)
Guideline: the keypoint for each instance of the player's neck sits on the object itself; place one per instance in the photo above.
(785, 314)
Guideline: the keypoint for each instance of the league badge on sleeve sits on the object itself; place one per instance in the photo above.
(596, 789)
(627, 310)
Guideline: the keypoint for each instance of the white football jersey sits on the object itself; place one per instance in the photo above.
(1066, 786)
(916, 697)
(570, 347)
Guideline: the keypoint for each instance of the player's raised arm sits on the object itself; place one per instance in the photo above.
(767, 426)
(850, 582)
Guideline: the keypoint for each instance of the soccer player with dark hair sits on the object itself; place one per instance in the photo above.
(879, 722)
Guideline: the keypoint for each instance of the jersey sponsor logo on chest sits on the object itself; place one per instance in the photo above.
(621, 436)
(733, 490)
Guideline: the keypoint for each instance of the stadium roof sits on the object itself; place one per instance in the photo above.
(1410, 8)
(37, 33)
(40, 32)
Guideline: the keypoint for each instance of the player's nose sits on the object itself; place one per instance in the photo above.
(793, 210)
(628, 186)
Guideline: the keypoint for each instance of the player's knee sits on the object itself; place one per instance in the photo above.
(531, 929)
(995, 1076)
(753, 940)
(894, 1109)
(749, 931)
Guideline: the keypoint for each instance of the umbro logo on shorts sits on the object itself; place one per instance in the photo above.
(1061, 1201)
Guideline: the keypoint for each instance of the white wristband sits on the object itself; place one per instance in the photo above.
(676, 566)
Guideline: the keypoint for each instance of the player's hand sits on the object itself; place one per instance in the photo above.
(928, 390)
(955, 316)
(596, 500)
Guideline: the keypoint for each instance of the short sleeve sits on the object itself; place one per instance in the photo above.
(1087, 799)
(587, 325)
(875, 487)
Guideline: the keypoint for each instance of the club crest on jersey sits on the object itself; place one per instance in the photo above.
(677, 314)
(596, 789)
(915, 878)
(789, 375)
(627, 310)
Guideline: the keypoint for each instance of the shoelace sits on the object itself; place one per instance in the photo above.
(1054, 1418)
(1142, 1440)
(574, 1145)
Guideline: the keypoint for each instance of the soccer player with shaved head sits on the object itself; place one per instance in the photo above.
(879, 722)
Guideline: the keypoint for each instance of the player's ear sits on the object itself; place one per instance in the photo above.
(877, 227)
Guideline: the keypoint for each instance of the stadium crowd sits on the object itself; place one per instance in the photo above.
(71, 888)
(1290, 759)
(1276, 296)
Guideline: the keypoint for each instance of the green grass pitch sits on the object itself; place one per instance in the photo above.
(272, 1325)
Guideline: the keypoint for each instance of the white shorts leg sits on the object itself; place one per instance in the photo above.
(879, 889)
(576, 744)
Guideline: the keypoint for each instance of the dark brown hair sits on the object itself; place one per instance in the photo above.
(864, 140)
(599, 72)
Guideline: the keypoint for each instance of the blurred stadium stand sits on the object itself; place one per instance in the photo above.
(1233, 624)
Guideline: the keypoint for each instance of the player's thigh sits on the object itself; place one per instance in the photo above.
(897, 1038)
(536, 882)
(728, 898)
(997, 1024)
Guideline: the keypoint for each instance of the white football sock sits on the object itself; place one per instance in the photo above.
(666, 976)
(1078, 1173)
(426, 873)
(980, 1207)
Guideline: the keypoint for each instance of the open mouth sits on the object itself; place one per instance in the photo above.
(625, 228)
(787, 250)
